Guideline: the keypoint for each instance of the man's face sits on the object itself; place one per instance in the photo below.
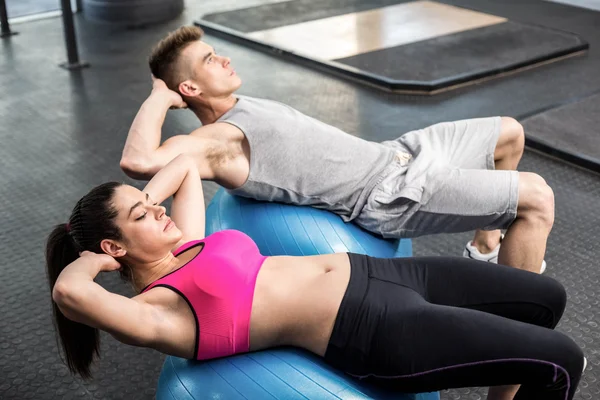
(211, 72)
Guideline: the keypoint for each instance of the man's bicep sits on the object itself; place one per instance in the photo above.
(193, 146)
(174, 146)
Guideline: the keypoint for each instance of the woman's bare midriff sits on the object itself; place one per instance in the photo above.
(296, 301)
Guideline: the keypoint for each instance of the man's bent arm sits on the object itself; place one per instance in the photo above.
(145, 135)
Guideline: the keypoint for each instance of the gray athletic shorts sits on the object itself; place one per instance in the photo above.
(443, 181)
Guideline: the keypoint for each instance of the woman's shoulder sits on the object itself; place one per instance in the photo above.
(175, 331)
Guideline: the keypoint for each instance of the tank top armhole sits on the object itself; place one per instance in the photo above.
(197, 342)
(235, 124)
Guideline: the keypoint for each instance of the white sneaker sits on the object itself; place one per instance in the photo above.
(471, 251)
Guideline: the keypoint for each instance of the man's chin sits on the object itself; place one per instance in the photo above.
(238, 83)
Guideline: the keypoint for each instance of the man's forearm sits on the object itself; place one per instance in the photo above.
(145, 133)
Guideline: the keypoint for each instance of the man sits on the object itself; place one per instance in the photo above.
(450, 177)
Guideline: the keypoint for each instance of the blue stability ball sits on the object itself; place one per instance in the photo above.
(282, 229)
(282, 373)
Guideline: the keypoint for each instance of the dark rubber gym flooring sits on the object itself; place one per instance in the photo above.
(573, 126)
(61, 133)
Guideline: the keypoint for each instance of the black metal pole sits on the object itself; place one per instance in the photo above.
(73, 61)
(4, 21)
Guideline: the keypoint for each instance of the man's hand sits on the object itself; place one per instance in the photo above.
(159, 87)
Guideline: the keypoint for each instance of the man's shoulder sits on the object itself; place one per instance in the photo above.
(215, 128)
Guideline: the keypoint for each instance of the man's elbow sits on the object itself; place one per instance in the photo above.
(136, 168)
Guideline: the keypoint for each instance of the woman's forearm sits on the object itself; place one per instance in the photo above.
(72, 285)
(169, 179)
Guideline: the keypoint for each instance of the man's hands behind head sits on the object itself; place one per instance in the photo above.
(159, 87)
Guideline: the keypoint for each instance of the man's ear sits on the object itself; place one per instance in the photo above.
(189, 88)
(112, 248)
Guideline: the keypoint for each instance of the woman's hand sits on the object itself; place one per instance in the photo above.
(159, 87)
(180, 178)
(105, 262)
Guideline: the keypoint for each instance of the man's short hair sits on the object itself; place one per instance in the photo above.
(165, 58)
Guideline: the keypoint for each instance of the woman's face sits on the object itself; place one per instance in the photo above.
(148, 232)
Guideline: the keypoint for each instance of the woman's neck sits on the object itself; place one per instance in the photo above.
(144, 274)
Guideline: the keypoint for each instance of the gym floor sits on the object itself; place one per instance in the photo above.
(63, 132)
(21, 8)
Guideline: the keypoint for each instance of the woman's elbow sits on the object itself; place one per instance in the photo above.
(60, 292)
(65, 298)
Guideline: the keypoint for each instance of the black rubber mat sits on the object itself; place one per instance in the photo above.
(275, 15)
(572, 130)
(427, 66)
(468, 55)
(61, 133)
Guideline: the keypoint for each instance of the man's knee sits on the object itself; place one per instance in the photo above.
(512, 138)
(536, 198)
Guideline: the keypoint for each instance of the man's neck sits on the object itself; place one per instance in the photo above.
(210, 111)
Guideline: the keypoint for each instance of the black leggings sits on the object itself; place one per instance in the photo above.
(430, 323)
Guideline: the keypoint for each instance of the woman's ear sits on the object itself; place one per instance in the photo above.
(112, 248)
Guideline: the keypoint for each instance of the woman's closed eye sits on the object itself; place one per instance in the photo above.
(141, 217)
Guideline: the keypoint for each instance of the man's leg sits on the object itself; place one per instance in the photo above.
(507, 155)
(466, 172)
(462, 200)
(525, 242)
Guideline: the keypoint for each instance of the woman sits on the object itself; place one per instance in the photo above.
(413, 324)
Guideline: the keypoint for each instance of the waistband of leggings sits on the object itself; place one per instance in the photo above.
(349, 307)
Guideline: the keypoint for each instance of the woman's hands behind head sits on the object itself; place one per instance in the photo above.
(105, 262)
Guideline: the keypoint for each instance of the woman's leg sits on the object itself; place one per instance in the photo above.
(552, 298)
(494, 289)
(428, 323)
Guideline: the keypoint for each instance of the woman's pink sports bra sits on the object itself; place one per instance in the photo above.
(218, 284)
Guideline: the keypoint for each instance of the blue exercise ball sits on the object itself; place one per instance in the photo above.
(283, 229)
(281, 373)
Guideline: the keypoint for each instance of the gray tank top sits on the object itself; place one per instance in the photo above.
(297, 159)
